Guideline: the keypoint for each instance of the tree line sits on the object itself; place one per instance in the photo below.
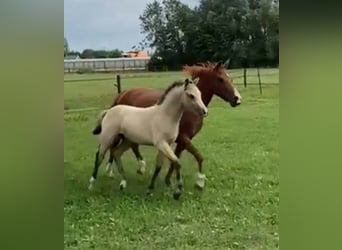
(90, 53)
(246, 31)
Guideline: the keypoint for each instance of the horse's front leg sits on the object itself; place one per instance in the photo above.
(166, 149)
(184, 142)
(200, 182)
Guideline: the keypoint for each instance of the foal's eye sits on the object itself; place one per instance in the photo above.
(220, 79)
(191, 96)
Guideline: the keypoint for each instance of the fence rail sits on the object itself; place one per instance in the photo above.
(117, 78)
(105, 64)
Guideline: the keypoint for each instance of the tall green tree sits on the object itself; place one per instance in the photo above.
(163, 24)
(244, 30)
(66, 47)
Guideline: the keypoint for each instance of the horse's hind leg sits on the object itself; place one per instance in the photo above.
(140, 159)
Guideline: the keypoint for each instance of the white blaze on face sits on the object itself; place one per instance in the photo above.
(237, 94)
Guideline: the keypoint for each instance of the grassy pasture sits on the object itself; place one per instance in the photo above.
(238, 208)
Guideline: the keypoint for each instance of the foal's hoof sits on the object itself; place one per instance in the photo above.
(199, 187)
(177, 194)
(140, 171)
(149, 193)
(141, 167)
(123, 185)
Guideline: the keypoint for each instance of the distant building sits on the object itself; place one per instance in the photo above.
(72, 57)
(136, 54)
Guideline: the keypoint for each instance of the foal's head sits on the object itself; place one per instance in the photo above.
(188, 95)
(215, 79)
(192, 99)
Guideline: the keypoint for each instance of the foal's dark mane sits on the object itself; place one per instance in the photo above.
(167, 91)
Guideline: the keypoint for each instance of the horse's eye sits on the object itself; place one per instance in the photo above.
(220, 79)
(191, 96)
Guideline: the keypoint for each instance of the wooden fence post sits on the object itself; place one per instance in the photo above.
(245, 77)
(118, 83)
(260, 88)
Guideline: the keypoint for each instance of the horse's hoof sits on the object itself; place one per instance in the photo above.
(123, 185)
(200, 183)
(167, 182)
(108, 168)
(177, 194)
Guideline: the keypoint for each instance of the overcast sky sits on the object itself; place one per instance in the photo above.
(105, 24)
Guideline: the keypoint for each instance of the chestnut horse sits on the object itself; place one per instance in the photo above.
(212, 80)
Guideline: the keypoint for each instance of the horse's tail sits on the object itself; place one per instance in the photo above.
(97, 130)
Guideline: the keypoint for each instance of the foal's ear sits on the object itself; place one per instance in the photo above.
(187, 82)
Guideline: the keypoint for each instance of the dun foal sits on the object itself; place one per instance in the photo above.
(158, 125)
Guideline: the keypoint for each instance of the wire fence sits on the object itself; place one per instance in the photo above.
(235, 75)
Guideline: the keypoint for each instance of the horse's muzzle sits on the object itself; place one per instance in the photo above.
(236, 102)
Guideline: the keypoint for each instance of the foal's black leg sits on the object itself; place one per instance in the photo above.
(140, 159)
(159, 164)
(135, 149)
(96, 165)
(154, 177)
(178, 151)
(179, 188)
(98, 160)
(116, 142)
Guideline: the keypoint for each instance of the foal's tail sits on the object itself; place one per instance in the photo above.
(97, 130)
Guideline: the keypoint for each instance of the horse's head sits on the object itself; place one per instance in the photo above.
(217, 81)
(223, 87)
(193, 98)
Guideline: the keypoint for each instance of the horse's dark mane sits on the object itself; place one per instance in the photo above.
(167, 91)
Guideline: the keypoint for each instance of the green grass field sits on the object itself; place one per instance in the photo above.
(238, 208)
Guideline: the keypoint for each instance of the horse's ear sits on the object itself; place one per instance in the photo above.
(218, 65)
(226, 64)
(186, 70)
(196, 80)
